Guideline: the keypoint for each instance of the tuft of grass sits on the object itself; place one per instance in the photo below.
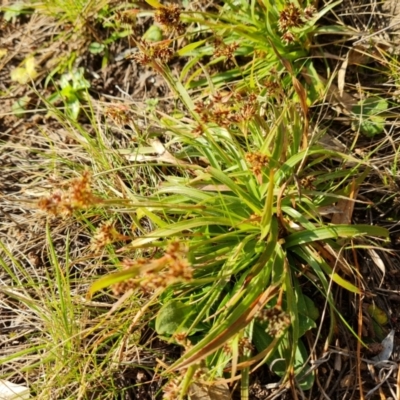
(250, 219)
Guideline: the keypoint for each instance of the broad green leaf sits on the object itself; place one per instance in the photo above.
(73, 108)
(96, 48)
(280, 367)
(153, 34)
(14, 10)
(307, 312)
(235, 321)
(176, 317)
(369, 117)
(262, 340)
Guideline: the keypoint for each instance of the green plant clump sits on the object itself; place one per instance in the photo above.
(237, 241)
(241, 225)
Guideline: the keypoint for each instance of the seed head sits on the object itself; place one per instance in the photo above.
(79, 196)
(167, 270)
(278, 320)
(106, 234)
(172, 389)
(245, 346)
(222, 49)
(288, 38)
(309, 12)
(169, 18)
(120, 114)
(258, 161)
(290, 17)
(153, 52)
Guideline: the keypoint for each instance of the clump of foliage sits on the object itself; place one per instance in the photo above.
(236, 242)
(247, 218)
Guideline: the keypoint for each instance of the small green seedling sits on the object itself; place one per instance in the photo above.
(368, 116)
(73, 92)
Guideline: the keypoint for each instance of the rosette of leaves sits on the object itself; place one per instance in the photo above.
(256, 239)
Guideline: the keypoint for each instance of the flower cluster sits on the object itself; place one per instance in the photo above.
(128, 17)
(172, 389)
(227, 110)
(258, 161)
(245, 346)
(106, 234)
(278, 320)
(272, 87)
(290, 17)
(120, 114)
(169, 17)
(308, 182)
(153, 52)
(171, 268)
(79, 196)
(222, 49)
(293, 17)
(182, 339)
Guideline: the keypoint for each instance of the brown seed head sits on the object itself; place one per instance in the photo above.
(225, 50)
(288, 38)
(153, 52)
(245, 346)
(278, 320)
(79, 196)
(120, 114)
(290, 17)
(309, 12)
(169, 18)
(172, 390)
(258, 161)
(104, 235)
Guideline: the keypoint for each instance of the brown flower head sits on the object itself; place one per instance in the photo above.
(79, 196)
(290, 17)
(222, 49)
(172, 389)
(288, 38)
(245, 346)
(153, 52)
(128, 17)
(169, 18)
(120, 114)
(227, 109)
(309, 12)
(171, 268)
(258, 161)
(104, 235)
(278, 320)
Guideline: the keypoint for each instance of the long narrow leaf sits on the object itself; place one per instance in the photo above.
(334, 232)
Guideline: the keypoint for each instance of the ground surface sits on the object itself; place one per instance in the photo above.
(27, 150)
